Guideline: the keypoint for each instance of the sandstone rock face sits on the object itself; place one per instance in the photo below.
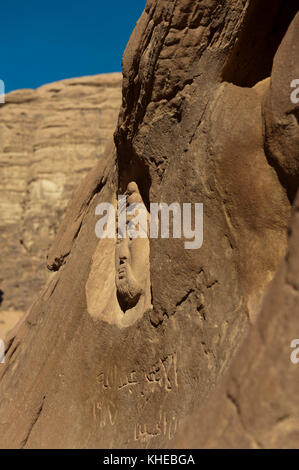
(282, 113)
(257, 404)
(191, 129)
(49, 139)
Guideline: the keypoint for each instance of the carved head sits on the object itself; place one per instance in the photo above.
(132, 256)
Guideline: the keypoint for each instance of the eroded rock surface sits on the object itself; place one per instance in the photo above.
(191, 129)
(256, 405)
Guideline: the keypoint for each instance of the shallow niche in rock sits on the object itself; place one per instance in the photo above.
(118, 289)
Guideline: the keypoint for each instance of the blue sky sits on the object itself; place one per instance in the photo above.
(43, 41)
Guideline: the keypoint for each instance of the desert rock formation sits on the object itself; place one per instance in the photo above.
(49, 139)
(197, 124)
(256, 405)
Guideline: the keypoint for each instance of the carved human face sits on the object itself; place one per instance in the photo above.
(132, 262)
(131, 269)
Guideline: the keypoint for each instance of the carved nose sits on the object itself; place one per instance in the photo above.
(123, 253)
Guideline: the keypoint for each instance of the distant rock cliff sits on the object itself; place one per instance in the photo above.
(49, 138)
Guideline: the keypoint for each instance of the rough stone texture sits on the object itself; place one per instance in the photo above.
(49, 139)
(257, 404)
(190, 130)
(282, 115)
